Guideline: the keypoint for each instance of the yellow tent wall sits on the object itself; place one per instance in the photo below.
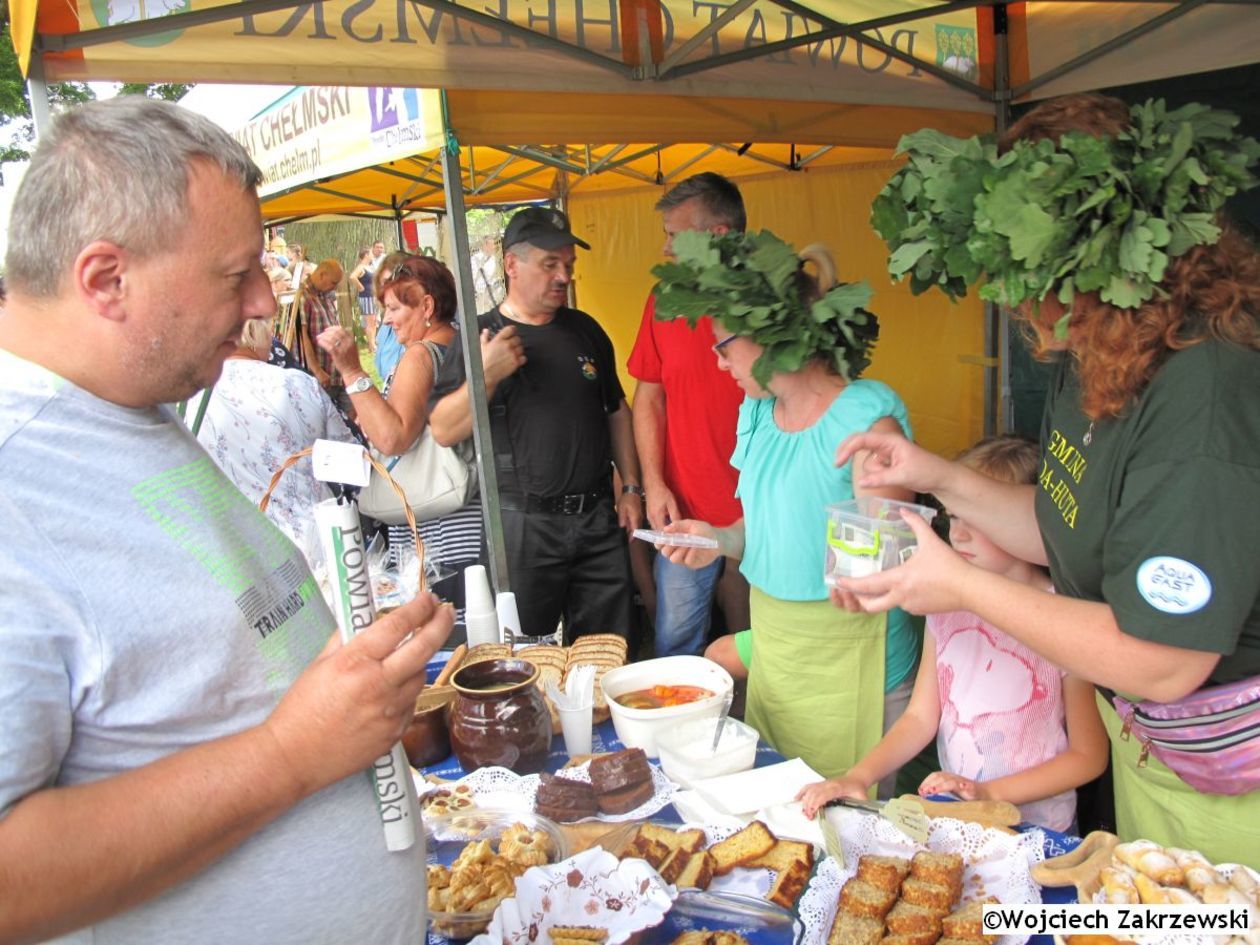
(921, 338)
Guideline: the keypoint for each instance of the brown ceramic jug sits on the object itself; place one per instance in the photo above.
(499, 717)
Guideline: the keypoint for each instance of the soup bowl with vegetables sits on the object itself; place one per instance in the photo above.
(649, 697)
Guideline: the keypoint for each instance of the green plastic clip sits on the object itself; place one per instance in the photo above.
(861, 551)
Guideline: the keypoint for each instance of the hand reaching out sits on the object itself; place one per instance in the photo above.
(942, 782)
(661, 505)
(931, 582)
(892, 460)
(692, 557)
(814, 796)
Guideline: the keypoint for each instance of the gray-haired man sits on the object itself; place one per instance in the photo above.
(181, 756)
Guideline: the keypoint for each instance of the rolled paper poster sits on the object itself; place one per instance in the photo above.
(341, 534)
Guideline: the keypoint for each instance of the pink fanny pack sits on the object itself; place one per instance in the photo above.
(1211, 738)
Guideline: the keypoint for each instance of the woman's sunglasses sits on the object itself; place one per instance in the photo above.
(403, 271)
(718, 346)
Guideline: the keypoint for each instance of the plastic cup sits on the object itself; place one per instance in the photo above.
(509, 617)
(576, 724)
(477, 596)
(481, 627)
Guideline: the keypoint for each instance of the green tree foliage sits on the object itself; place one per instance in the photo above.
(17, 131)
(167, 91)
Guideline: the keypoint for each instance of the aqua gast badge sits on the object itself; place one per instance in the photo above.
(1173, 585)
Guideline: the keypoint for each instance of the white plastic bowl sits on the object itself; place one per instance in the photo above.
(638, 728)
(687, 753)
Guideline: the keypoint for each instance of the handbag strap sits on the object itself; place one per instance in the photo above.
(435, 352)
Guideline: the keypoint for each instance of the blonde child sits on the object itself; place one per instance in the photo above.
(1008, 724)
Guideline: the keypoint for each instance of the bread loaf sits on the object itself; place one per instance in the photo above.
(565, 800)
(625, 800)
(619, 770)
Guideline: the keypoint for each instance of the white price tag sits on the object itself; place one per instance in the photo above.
(340, 462)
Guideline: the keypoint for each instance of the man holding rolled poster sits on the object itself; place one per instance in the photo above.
(184, 742)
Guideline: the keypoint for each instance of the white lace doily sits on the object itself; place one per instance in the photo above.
(592, 888)
(504, 789)
(1226, 870)
(996, 864)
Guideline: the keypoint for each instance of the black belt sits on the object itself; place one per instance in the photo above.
(575, 503)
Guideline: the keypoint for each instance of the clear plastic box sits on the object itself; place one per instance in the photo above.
(687, 753)
(868, 535)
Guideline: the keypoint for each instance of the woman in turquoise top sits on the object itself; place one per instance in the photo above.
(823, 684)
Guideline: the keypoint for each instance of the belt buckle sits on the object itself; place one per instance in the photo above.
(572, 504)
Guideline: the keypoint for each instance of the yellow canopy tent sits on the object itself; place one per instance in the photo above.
(606, 73)
(343, 150)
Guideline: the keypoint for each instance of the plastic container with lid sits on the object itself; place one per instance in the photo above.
(687, 753)
(868, 535)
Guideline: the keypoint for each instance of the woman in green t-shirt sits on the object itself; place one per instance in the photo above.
(1147, 502)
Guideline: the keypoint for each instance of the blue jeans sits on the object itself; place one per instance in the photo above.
(684, 598)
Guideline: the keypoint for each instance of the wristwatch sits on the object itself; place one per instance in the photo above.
(629, 488)
(359, 386)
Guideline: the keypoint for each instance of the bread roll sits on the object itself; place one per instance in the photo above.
(1152, 860)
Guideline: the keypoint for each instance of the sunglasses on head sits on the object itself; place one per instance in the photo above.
(404, 270)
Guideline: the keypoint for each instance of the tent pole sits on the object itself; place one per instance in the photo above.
(37, 92)
(470, 341)
(998, 407)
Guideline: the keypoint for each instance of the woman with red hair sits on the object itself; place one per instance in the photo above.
(417, 295)
(1147, 503)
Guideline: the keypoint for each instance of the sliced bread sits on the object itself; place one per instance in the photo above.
(967, 922)
(789, 884)
(931, 895)
(740, 848)
(944, 869)
(908, 919)
(886, 872)
(698, 872)
(849, 929)
(783, 854)
(858, 897)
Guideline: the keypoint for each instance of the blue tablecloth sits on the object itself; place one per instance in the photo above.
(605, 739)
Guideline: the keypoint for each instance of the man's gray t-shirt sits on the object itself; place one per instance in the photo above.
(147, 606)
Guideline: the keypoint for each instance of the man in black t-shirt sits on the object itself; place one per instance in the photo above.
(559, 420)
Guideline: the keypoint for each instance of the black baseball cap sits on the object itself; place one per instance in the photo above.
(542, 227)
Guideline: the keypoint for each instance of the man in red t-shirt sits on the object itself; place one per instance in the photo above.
(685, 412)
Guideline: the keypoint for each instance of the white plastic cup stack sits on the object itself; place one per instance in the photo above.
(576, 708)
(509, 616)
(481, 620)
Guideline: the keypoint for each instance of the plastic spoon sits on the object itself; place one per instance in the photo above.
(721, 722)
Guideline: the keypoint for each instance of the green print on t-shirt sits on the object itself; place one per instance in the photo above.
(1055, 481)
(217, 526)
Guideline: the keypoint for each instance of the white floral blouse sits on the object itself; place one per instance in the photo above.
(258, 416)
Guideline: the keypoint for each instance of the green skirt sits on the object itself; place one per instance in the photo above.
(816, 683)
